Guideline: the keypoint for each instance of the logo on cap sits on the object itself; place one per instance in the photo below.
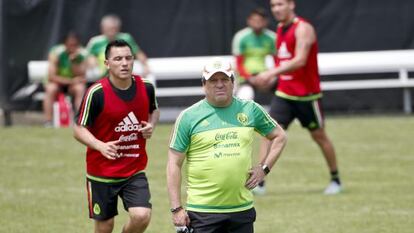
(217, 65)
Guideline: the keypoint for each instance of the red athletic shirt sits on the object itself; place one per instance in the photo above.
(120, 120)
(304, 81)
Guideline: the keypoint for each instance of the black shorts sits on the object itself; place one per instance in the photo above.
(64, 89)
(238, 222)
(103, 197)
(309, 113)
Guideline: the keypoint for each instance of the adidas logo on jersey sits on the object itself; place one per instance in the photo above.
(283, 51)
(129, 123)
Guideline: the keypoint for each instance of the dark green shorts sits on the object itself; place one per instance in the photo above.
(238, 222)
(103, 197)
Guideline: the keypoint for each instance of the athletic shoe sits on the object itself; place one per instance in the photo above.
(333, 188)
(48, 124)
(259, 190)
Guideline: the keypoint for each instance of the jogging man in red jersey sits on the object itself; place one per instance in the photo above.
(117, 115)
(298, 93)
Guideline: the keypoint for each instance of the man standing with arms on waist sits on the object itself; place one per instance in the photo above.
(215, 137)
(298, 94)
(117, 115)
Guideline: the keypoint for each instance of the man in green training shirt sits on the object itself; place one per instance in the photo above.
(66, 73)
(215, 137)
(110, 28)
(250, 47)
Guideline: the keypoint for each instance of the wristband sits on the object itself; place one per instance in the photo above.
(176, 209)
(265, 169)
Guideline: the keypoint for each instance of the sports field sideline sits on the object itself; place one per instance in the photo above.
(42, 184)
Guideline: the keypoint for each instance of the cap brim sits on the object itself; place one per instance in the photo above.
(208, 75)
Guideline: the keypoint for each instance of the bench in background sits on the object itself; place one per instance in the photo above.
(341, 63)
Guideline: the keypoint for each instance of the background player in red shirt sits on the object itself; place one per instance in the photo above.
(298, 93)
(117, 115)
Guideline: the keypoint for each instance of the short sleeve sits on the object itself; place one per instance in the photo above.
(83, 53)
(91, 106)
(180, 138)
(152, 99)
(263, 123)
(236, 47)
(91, 48)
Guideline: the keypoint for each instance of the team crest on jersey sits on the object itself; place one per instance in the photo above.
(313, 125)
(205, 123)
(242, 118)
(96, 209)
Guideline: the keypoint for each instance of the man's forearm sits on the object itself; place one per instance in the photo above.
(154, 117)
(276, 147)
(174, 185)
(287, 67)
(60, 80)
(85, 137)
(240, 67)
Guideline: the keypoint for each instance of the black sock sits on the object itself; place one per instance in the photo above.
(335, 177)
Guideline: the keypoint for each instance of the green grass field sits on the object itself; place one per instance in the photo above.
(42, 181)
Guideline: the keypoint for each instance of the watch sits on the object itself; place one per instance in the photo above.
(176, 209)
(266, 169)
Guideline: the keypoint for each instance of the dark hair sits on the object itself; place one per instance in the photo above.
(116, 43)
(259, 11)
(71, 34)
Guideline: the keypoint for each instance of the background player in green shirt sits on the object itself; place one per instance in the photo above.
(250, 46)
(67, 65)
(215, 137)
(110, 29)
